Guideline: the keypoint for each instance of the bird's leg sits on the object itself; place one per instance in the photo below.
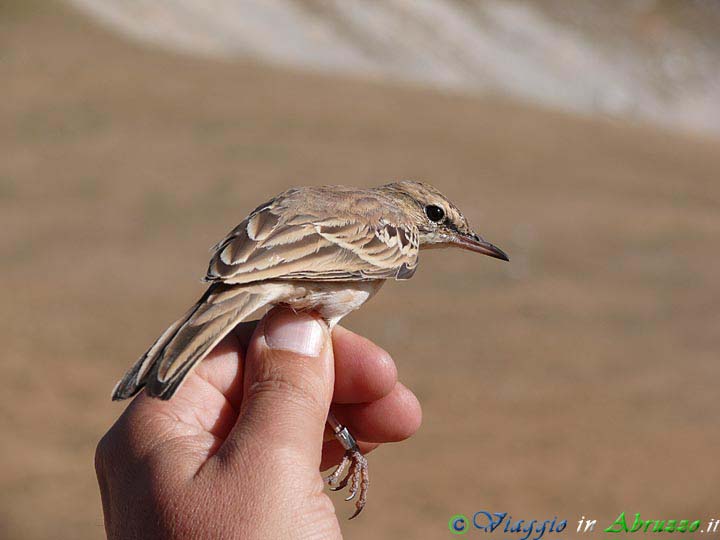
(357, 474)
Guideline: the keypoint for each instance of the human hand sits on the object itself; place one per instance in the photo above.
(237, 452)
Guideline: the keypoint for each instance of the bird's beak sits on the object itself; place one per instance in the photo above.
(472, 242)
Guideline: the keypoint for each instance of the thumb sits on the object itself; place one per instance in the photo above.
(288, 385)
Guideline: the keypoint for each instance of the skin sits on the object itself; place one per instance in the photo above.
(237, 453)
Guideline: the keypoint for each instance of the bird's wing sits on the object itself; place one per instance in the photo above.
(272, 245)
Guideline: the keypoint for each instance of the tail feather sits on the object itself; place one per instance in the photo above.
(166, 364)
(134, 380)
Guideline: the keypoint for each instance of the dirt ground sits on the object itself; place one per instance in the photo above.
(580, 379)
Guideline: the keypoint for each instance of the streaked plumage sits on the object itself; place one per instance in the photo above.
(327, 249)
(330, 233)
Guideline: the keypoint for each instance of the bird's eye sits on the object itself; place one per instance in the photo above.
(435, 213)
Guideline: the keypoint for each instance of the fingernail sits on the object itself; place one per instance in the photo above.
(295, 332)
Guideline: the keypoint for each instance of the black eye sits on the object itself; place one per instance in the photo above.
(435, 213)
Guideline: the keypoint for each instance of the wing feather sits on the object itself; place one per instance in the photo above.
(268, 246)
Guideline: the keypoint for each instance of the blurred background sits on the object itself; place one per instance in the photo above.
(580, 379)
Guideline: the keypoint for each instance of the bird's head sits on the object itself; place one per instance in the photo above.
(439, 221)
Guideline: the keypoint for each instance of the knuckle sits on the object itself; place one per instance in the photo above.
(277, 386)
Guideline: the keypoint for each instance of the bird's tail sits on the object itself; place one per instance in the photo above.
(166, 364)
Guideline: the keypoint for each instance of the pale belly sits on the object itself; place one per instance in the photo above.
(331, 300)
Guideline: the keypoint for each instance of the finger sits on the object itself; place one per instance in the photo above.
(194, 421)
(223, 366)
(333, 452)
(172, 438)
(363, 371)
(392, 418)
(287, 389)
(210, 397)
(223, 369)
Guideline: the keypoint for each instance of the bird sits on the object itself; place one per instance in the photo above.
(326, 249)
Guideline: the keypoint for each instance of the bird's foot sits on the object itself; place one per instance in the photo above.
(357, 476)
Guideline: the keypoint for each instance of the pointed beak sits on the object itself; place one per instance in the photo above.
(472, 242)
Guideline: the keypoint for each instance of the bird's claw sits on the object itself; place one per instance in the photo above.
(357, 475)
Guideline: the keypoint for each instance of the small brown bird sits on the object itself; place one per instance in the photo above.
(327, 249)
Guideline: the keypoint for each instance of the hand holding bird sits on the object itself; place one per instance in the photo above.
(236, 452)
(315, 249)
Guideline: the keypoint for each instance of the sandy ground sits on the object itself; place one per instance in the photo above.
(579, 379)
